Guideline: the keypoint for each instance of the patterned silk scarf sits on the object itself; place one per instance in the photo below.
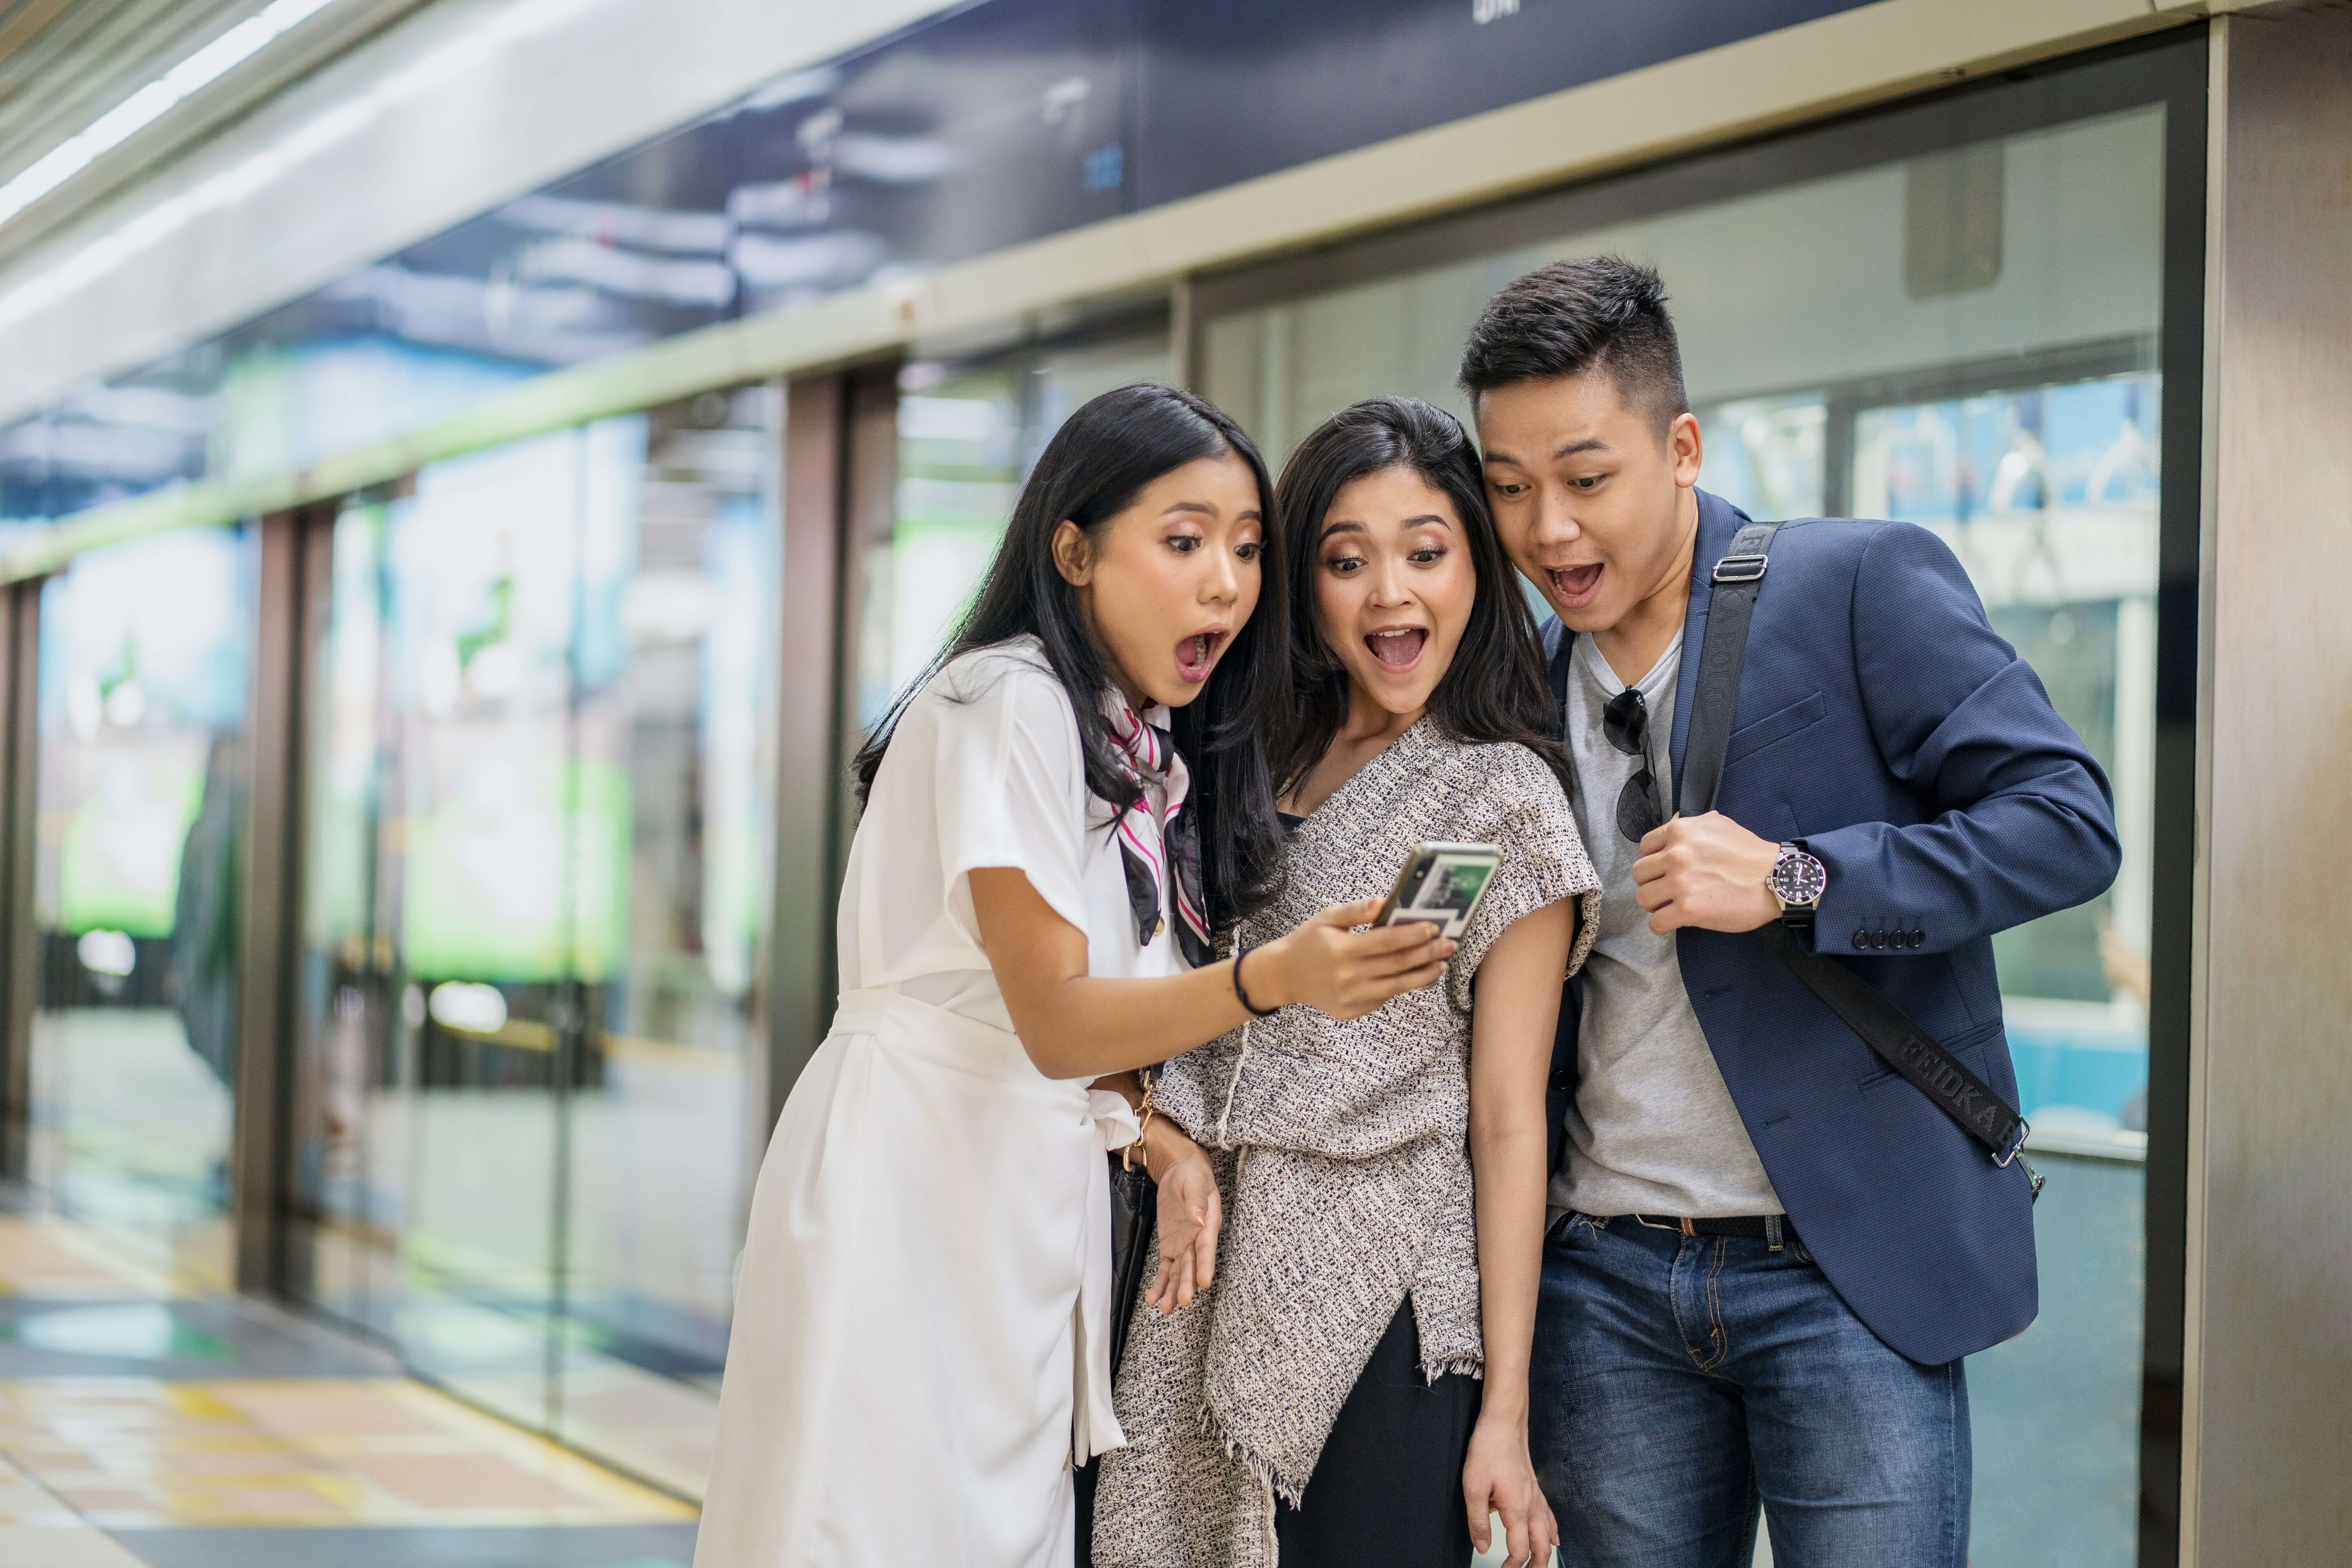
(1149, 845)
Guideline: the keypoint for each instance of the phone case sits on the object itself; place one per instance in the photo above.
(1442, 883)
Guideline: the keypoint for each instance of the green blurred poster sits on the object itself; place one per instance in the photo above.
(499, 888)
(145, 649)
(119, 864)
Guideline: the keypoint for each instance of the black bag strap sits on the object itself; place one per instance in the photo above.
(1885, 1027)
(1560, 1082)
(1561, 654)
(1737, 578)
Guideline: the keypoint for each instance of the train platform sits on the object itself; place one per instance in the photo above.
(147, 1421)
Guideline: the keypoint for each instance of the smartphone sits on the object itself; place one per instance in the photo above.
(1440, 883)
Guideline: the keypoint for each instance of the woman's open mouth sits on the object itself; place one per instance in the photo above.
(1197, 655)
(1398, 649)
(1573, 587)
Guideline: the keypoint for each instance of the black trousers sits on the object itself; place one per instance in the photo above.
(1388, 1488)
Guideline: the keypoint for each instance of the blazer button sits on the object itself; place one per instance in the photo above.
(1878, 937)
(1861, 939)
(1918, 937)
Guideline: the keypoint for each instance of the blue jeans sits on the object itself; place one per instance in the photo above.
(1680, 1381)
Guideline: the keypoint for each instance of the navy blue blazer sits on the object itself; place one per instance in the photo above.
(1883, 722)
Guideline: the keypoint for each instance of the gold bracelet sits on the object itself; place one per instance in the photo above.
(1146, 1110)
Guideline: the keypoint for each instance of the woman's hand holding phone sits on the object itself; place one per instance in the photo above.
(1345, 973)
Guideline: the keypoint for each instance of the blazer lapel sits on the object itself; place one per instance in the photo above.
(1719, 521)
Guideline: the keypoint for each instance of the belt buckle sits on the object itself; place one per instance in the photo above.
(1681, 1224)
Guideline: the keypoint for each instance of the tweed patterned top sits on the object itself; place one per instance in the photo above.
(1342, 1151)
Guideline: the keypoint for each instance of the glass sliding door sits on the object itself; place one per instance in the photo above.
(443, 912)
(1954, 316)
(676, 697)
(144, 686)
(535, 894)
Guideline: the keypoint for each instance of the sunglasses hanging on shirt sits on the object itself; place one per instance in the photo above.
(1625, 724)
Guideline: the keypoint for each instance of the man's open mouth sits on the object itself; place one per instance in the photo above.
(1398, 651)
(1574, 586)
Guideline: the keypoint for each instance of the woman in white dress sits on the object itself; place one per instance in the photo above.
(1056, 817)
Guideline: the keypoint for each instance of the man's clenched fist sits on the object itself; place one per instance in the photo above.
(1705, 872)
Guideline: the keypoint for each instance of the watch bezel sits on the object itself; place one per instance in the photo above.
(1797, 863)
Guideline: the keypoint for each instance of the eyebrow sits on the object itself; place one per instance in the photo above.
(1204, 510)
(1590, 444)
(1349, 525)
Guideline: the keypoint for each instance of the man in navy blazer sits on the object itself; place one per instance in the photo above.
(1769, 1250)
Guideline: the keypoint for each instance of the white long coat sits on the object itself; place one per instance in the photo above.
(921, 1327)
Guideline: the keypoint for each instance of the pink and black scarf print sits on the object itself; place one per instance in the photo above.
(1149, 846)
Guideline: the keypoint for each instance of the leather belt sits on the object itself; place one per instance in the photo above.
(1774, 1228)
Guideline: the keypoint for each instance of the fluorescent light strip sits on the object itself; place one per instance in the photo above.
(143, 108)
(468, 50)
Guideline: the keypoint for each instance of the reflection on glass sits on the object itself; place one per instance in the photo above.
(533, 906)
(2012, 408)
(663, 1127)
(969, 432)
(144, 690)
(1765, 454)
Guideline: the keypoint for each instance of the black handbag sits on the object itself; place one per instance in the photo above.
(1134, 1223)
(1134, 1226)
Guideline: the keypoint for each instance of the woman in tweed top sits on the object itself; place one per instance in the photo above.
(1383, 1178)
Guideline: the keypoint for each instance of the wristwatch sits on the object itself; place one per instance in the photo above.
(1798, 880)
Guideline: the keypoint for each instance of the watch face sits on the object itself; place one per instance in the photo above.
(1799, 879)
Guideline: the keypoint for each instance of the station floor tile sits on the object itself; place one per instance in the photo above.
(607, 1546)
(43, 1257)
(130, 1454)
(149, 1419)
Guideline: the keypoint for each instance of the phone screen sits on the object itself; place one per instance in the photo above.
(1442, 883)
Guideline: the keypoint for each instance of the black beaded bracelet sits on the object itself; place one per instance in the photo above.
(1256, 1011)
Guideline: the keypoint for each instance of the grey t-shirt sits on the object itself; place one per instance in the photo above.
(1653, 1129)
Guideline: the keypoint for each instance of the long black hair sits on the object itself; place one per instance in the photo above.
(1091, 470)
(1495, 689)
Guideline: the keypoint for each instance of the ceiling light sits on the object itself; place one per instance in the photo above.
(467, 51)
(143, 108)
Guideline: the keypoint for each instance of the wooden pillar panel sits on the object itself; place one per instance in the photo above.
(800, 939)
(295, 560)
(2269, 1386)
(20, 652)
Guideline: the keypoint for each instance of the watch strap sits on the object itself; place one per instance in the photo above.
(1797, 917)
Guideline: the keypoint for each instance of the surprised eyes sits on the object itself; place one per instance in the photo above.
(1515, 490)
(1187, 544)
(1348, 565)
